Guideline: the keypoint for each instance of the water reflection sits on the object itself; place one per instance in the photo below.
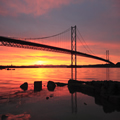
(108, 106)
(74, 102)
(106, 93)
(60, 101)
(107, 74)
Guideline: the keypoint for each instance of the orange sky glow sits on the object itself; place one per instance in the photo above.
(97, 21)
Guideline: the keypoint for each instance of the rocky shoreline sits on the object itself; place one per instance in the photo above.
(106, 93)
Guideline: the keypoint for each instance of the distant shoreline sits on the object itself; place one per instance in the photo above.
(61, 66)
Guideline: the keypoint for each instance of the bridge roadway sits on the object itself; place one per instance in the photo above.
(5, 41)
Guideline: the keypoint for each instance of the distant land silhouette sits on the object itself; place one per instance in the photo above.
(61, 66)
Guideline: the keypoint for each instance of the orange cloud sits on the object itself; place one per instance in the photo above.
(34, 7)
(19, 56)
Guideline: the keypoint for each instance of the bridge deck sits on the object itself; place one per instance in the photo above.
(30, 45)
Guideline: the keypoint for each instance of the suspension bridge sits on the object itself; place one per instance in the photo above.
(30, 43)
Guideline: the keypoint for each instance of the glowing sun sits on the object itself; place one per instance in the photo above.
(39, 62)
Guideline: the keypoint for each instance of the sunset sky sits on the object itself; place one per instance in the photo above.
(97, 20)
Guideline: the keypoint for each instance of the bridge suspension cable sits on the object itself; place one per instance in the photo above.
(46, 37)
(84, 43)
(10, 42)
(59, 40)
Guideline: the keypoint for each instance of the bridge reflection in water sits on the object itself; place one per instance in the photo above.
(74, 102)
(106, 93)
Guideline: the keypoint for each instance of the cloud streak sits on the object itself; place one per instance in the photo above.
(34, 7)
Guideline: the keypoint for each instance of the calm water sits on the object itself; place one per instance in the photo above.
(60, 105)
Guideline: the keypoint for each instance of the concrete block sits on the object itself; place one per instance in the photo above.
(37, 86)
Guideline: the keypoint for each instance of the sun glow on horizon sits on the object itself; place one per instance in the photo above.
(39, 62)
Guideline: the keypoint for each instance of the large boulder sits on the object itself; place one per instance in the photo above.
(51, 86)
(24, 86)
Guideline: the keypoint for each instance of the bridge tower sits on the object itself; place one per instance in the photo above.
(73, 57)
(107, 54)
(107, 69)
(73, 67)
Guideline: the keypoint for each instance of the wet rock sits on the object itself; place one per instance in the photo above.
(118, 86)
(97, 84)
(47, 98)
(108, 108)
(111, 88)
(85, 103)
(51, 95)
(72, 82)
(74, 86)
(24, 86)
(103, 92)
(51, 86)
(37, 86)
(114, 99)
(60, 84)
(3, 117)
(98, 100)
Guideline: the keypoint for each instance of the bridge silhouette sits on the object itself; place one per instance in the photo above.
(12, 42)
